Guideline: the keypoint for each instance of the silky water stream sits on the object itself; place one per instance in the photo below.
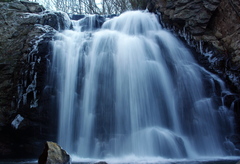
(132, 91)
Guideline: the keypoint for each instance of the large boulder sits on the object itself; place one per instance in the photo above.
(26, 30)
(54, 154)
(207, 24)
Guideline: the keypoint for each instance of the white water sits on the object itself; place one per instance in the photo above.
(132, 89)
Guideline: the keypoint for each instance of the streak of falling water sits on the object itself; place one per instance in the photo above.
(131, 88)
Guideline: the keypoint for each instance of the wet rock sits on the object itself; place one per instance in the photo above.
(213, 22)
(77, 17)
(229, 147)
(53, 153)
(32, 7)
(213, 28)
(26, 31)
(192, 15)
(101, 162)
(91, 22)
(57, 20)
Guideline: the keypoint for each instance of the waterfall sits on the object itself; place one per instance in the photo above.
(132, 88)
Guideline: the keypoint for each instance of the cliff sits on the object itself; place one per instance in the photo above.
(26, 30)
(212, 26)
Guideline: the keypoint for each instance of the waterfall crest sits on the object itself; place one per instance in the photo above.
(132, 88)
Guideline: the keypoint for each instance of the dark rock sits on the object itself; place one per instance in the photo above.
(101, 162)
(77, 17)
(213, 22)
(229, 147)
(236, 108)
(152, 5)
(236, 140)
(212, 27)
(229, 100)
(92, 22)
(17, 6)
(53, 153)
(33, 7)
(57, 20)
(26, 31)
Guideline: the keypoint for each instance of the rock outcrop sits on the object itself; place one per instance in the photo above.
(212, 27)
(26, 30)
(53, 153)
(208, 24)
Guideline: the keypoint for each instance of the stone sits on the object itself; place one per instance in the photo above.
(216, 23)
(95, 23)
(182, 2)
(33, 7)
(57, 20)
(26, 31)
(53, 154)
(17, 6)
(211, 6)
(101, 162)
(218, 35)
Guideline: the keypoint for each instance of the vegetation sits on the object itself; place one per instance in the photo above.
(103, 7)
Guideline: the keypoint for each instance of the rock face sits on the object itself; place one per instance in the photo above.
(53, 153)
(225, 25)
(194, 15)
(26, 30)
(207, 23)
(213, 28)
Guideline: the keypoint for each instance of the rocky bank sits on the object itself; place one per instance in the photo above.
(26, 30)
(212, 26)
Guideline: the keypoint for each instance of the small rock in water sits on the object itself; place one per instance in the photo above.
(53, 154)
(101, 162)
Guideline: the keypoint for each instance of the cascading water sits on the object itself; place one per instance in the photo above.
(131, 88)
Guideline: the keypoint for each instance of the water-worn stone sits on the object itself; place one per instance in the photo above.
(54, 154)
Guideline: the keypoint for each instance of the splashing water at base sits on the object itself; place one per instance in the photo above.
(131, 88)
